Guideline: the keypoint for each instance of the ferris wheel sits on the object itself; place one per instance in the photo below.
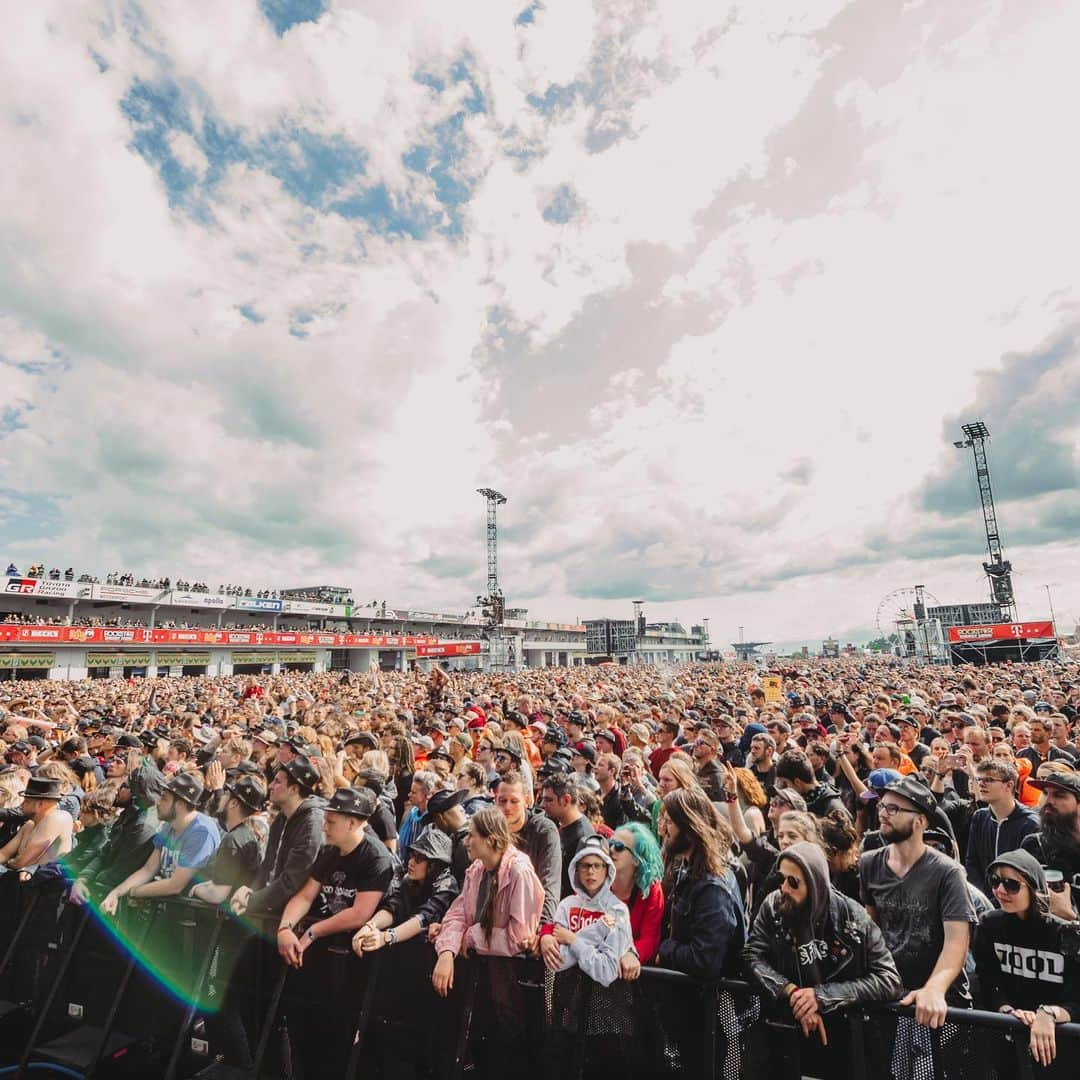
(898, 604)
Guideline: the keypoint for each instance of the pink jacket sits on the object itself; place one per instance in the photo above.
(519, 900)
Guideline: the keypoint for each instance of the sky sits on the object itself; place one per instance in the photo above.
(706, 290)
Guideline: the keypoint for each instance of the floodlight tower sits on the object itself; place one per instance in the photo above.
(998, 569)
(494, 603)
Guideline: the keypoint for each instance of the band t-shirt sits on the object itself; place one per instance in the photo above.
(192, 849)
(912, 911)
(369, 867)
(237, 860)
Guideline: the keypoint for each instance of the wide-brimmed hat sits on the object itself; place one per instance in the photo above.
(1067, 781)
(186, 786)
(355, 802)
(249, 790)
(43, 789)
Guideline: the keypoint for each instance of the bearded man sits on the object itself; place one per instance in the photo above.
(1057, 843)
(813, 950)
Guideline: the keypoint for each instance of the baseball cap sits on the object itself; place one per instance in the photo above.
(586, 749)
(1067, 781)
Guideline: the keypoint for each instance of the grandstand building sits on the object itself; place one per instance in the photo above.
(68, 629)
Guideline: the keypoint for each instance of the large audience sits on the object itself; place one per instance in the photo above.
(839, 834)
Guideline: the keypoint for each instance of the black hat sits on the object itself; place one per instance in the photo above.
(299, 744)
(1067, 781)
(441, 801)
(250, 790)
(586, 749)
(20, 747)
(302, 773)
(917, 794)
(909, 721)
(371, 778)
(362, 738)
(513, 751)
(43, 789)
(245, 766)
(576, 717)
(37, 742)
(356, 802)
(1025, 864)
(129, 740)
(148, 739)
(186, 786)
(442, 752)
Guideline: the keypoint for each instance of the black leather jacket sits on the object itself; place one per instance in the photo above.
(858, 967)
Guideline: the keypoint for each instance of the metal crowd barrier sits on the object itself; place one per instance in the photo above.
(665, 1024)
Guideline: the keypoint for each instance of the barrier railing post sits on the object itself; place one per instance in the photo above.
(24, 921)
(196, 994)
(712, 1008)
(856, 1020)
(466, 1019)
(118, 997)
(54, 989)
(365, 1015)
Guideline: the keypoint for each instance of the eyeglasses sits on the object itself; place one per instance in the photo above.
(1010, 885)
(791, 882)
(989, 780)
(887, 810)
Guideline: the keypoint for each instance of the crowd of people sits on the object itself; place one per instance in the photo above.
(127, 579)
(864, 833)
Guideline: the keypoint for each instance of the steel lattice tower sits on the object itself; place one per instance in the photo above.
(494, 599)
(998, 569)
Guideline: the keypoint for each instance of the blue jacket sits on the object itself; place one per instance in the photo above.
(988, 838)
(706, 926)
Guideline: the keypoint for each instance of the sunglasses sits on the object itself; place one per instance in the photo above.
(1010, 885)
(618, 845)
(791, 882)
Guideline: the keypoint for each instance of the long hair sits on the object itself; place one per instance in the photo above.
(646, 852)
(710, 838)
(491, 825)
(750, 789)
(401, 756)
(683, 774)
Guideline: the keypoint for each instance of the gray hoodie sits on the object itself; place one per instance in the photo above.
(598, 947)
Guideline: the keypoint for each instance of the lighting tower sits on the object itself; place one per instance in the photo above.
(998, 569)
(494, 604)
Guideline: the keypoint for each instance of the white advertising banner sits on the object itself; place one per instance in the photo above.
(124, 593)
(201, 600)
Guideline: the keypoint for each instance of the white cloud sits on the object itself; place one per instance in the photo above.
(820, 224)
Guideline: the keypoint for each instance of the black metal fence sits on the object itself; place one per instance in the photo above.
(177, 989)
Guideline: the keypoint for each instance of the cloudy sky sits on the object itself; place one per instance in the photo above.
(705, 289)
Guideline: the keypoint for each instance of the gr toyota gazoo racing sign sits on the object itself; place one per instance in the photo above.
(1027, 631)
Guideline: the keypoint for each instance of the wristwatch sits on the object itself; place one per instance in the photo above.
(391, 936)
(285, 926)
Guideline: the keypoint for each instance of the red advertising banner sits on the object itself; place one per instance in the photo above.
(138, 635)
(453, 648)
(1030, 631)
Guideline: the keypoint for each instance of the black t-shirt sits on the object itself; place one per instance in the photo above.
(369, 867)
(912, 911)
(237, 859)
(570, 837)
(382, 823)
